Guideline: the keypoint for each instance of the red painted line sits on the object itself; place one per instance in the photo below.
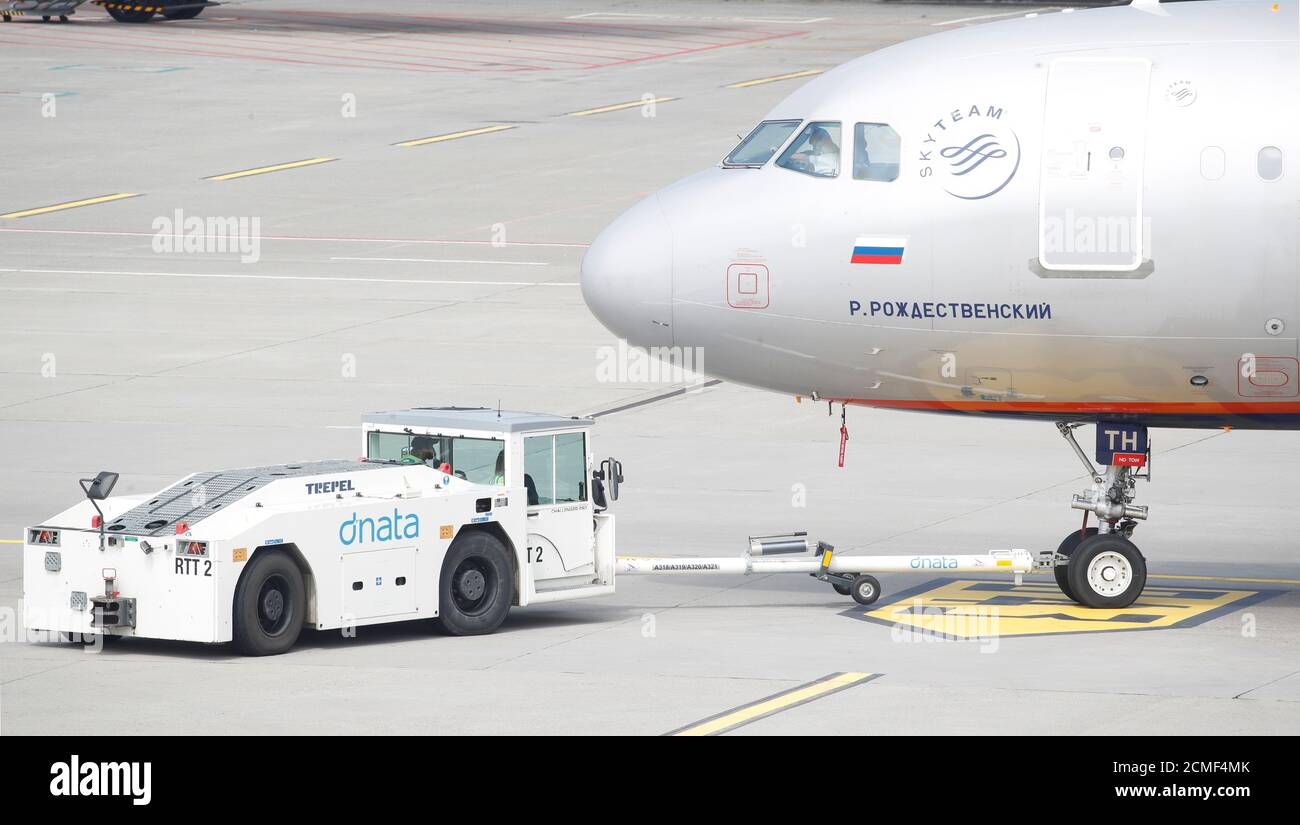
(138, 37)
(334, 48)
(508, 46)
(319, 238)
(54, 40)
(512, 29)
(1094, 407)
(550, 212)
(434, 34)
(506, 31)
(561, 41)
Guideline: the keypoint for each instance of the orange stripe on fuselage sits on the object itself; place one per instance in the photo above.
(1091, 407)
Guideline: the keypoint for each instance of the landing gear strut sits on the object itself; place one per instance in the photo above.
(1101, 567)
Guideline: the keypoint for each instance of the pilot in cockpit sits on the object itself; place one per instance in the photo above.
(823, 153)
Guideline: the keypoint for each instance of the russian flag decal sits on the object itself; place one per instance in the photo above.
(878, 251)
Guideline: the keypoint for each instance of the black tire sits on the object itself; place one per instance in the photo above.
(842, 589)
(1068, 545)
(184, 14)
(476, 586)
(865, 589)
(1107, 571)
(270, 605)
(132, 16)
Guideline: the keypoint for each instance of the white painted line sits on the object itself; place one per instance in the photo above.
(241, 276)
(445, 261)
(447, 241)
(995, 16)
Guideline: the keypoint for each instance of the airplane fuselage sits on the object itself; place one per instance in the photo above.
(1077, 216)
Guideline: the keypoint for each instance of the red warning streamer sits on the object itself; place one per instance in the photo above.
(844, 436)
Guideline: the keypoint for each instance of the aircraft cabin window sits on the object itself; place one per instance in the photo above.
(815, 152)
(876, 151)
(759, 146)
(1269, 163)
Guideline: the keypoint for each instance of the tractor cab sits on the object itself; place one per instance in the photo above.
(544, 462)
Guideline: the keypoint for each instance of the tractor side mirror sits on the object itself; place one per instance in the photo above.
(611, 473)
(99, 487)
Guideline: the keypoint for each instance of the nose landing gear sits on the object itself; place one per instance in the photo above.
(1103, 567)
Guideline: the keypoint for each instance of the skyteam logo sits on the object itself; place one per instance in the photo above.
(971, 152)
(385, 528)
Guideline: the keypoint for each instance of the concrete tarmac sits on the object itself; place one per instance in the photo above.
(388, 276)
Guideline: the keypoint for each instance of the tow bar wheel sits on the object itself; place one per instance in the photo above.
(865, 589)
(270, 603)
(476, 586)
(1106, 570)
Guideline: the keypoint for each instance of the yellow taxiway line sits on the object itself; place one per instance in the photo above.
(631, 104)
(744, 84)
(456, 135)
(58, 207)
(11, 541)
(743, 715)
(1224, 579)
(262, 170)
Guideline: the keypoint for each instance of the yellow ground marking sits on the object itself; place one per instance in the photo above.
(743, 715)
(11, 541)
(455, 135)
(631, 104)
(968, 609)
(1225, 579)
(262, 170)
(774, 79)
(58, 207)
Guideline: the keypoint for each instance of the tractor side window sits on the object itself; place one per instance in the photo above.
(570, 467)
(876, 151)
(474, 459)
(387, 446)
(539, 469)
(759, 146)
(815, 152)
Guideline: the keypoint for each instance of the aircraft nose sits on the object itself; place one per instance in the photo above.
(627, 276)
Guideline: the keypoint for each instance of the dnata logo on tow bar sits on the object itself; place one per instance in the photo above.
(385, 528)
(933, 563)
(77, 778)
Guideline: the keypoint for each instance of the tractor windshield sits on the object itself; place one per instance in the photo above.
(478, 460)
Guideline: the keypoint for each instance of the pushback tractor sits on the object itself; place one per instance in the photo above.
(451, 514)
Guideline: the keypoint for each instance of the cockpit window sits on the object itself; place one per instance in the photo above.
(876, 149)
(762, 143)
(815, 152)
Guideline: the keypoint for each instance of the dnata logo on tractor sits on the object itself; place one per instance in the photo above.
(385, 528)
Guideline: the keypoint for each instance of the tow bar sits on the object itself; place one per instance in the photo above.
(849, 575)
